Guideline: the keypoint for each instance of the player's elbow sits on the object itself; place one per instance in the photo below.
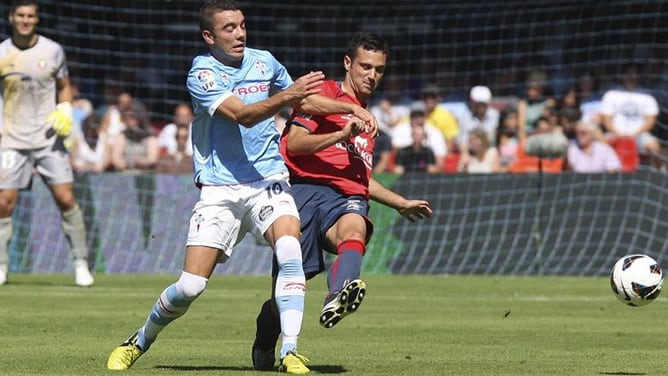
(246, 121)
(297, 149)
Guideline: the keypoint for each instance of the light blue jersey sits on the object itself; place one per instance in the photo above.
(225, 152)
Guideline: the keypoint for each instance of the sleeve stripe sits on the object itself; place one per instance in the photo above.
(214, 106)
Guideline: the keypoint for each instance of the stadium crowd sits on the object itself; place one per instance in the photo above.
(578, 130)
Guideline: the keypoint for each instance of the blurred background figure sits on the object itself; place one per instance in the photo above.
(440, 117)
(535, 104)
(484, 158)
(167, 140)
(81, 107)
(417, 157)
(112, 121)
(281, 118)
(90, 150)
(588, 154)
(382, 152)
(507, 137)
(136, 147)
(402, 135)
(478, 114)
(629, 111)
(180, 161)
(386, 114)
(568, 112)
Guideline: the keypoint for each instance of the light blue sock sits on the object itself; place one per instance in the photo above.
(172, 304)
(290, 291)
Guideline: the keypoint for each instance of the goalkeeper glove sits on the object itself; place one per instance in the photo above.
(61, 119)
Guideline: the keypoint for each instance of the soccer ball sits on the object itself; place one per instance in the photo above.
(636, 280)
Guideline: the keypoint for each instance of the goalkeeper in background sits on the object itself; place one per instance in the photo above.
(330, 162)
(36, 119)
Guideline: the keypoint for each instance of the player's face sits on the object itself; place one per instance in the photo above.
(24, 20)
(228, 37)
(365, 71)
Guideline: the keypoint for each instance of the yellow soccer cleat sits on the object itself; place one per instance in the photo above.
(125, 355)
(294, 363)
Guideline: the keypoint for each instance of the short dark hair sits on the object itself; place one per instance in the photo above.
(23, 3)
(368, 41)
(210, 7)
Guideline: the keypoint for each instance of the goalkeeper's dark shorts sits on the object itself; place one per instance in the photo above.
(320, 206)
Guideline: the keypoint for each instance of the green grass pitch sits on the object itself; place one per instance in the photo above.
(408, 325)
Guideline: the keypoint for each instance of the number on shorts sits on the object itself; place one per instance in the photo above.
(7, 159)
(274, 189)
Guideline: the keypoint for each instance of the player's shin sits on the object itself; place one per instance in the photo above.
(173, 303)
(73, 226)
(268, 326)
(348, 265)
(290, 291)
(5, 235)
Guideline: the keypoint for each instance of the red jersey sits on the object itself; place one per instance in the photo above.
(345, 166)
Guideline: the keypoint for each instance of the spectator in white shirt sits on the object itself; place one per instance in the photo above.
(478, 114)
(183, 117)
(587, 154)
(630, 112)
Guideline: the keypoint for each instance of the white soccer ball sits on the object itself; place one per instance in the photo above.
(636, 280)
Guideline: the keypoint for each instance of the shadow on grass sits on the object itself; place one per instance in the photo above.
(63, 283)
(325, 369)
(204, 368)
(623, 373)
(328, 369)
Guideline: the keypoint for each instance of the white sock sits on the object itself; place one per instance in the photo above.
(290, 291)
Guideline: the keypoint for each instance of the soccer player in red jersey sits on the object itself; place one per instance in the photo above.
(329, 159)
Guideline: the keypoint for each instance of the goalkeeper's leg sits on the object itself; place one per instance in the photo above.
(54, 167)
(5, 235)
(75, 232)
(8, 198)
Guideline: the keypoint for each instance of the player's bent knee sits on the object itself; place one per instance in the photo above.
(191, 285)
(7, 202)
(288, 248)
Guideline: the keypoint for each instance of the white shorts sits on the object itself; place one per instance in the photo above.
(225, 214)
(52, 163)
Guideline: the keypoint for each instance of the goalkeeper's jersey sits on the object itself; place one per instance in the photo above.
(28, 88)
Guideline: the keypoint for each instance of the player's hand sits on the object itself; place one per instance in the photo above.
(414, 210)
(370, 122)
(61, 119)
(353, 128)
(304, 86)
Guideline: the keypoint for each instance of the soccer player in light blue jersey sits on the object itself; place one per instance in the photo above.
(243, 179)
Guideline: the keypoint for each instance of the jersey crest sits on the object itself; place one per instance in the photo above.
(206, 80)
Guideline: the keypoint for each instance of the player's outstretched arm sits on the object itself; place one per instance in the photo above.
(409, 209)
(322, 105)
(250, 114)
(301, 141)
